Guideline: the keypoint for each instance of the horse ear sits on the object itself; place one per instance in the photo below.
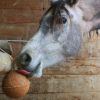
(71, 2)
(53, 1)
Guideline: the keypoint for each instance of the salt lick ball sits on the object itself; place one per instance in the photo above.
(15, 85)
(5, 62)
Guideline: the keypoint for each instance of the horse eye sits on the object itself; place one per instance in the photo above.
(64, 20)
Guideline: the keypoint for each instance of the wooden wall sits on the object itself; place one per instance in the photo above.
(75, 79)
(19, 18)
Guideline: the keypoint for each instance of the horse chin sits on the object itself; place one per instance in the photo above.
(37, 72)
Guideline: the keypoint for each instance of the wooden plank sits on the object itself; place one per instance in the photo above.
(14, 16)
(17, 31)
(58, 96)
(75, 67)
(90, 46)
(64, 84)
(21, 4)
(62, 96)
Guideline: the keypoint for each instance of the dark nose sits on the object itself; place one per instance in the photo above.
(24, 59)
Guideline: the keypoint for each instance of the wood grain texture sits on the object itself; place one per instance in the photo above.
(21, 4)
(64, 84)
(58, 96)
(17, 31)
(15, 16)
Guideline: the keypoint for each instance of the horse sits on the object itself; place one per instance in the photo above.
(59, 34)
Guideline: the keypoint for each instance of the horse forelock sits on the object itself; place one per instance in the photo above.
(55, 10)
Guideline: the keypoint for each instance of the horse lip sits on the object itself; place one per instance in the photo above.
(28, 72)
(23, 71)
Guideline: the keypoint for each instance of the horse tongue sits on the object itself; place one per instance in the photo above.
(23, 72)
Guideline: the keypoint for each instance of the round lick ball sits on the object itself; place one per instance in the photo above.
(15, 85)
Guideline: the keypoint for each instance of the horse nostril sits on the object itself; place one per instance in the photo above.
(24, 59)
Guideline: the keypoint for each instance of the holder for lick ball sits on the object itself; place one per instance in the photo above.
(15, 85)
